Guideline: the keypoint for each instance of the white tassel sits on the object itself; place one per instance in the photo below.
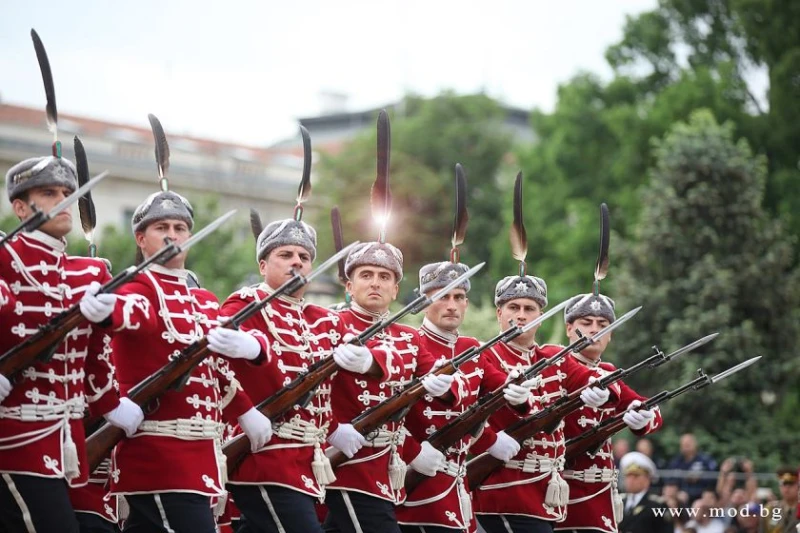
(564, 490)
(619, 505)
(557, 491)
(465, 501)
(221, 505)
(397, 470)
(71, 462)
(222, 463)
(321, 467)
(123, 509)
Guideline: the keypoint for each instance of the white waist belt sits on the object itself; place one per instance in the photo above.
(591, 475)
(29, 412)
(383, 438)
(300, 430)
(538, 464)
(191, 428)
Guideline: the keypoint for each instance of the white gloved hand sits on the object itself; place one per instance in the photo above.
(429, 460)
(257, 427)
(352, 357)
(437, 385)
(519, 394)
(504, 448)
(233, 343)
(347, 440)
(96, 307)
(5, 388)
(127, 415)
(638, 418)
(594, 396)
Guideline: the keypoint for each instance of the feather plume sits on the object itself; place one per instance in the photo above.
(381, 194)
(162, 148)
(519, 239)
(85, 203)
(304, 190)
(462, 215)
(255, 223)
(49, 87)
(338, 240)
(601, 269)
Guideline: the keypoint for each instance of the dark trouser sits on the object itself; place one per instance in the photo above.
(271, 509)
(91, 523)
(353, 512)
(169, 512)
(507, 523)
(31, 503)
(428, 529)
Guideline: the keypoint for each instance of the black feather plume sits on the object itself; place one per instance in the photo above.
(601, 269)
(255, 223)
(519, 239)
(462, 215)
(162, 149)
(49, 87)
(304, 190)
(338, 240)
(85, 203)
(381, 194)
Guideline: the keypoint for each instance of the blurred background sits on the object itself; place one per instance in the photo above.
(682, 115)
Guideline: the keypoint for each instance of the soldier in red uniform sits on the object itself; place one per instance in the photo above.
(368, 486)
(275, 486)
(42, 447)
(595, 504)
(171, 467)
(529, 494)
(442, 503)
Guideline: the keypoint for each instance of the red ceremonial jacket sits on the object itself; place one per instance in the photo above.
(293, 336)
(444, 500)
(398, 352)
(41, 429)
(93, 498)
(520, 487)
(178, 446)
(592, 478)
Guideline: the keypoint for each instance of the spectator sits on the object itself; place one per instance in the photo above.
(703, 521)
(646, 447)
(747, 518)
(782, 516)
(695, 464)
(619, 448)
(728, 481)
(640, 506)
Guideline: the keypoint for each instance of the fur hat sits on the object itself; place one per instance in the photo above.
(380, 254)
(438, 275)
(160, 206)
(589, 305)
(40, 172)
(513, 287)
(283, 233)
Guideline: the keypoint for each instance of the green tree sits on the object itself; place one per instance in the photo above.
(429, 136)
(706, 257)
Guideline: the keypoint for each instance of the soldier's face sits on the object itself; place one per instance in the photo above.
(448, 312)
(636, 482)
(280, 263)
(519, 312)
(45, 199)
(589, 325)
(151, 240)
(372, 287)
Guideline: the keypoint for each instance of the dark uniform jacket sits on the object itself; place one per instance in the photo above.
(644, 517)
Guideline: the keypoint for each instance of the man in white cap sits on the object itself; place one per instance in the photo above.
(644, 512)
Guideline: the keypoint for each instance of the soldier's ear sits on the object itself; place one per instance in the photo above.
(262, 267)
(21, 208)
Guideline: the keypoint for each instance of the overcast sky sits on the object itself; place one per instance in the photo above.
(244, 71)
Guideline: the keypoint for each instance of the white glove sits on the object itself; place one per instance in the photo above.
(638, 418)
(347, 440)
(437, 385)
(127, 415)
(353, 358)
(594, 396)
(97, 307)
(5, 388)
(429, 460)
(519, 394)
(257, 427)
(504, 448)
(233, 343)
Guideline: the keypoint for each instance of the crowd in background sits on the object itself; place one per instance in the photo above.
(724, 498)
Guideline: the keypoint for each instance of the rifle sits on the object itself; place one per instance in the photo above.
(175, 373)
(548, 419)
(473, 419)
(40, 217)
(298, 391)
(591, 441)
(396, 407)
(42, 345)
